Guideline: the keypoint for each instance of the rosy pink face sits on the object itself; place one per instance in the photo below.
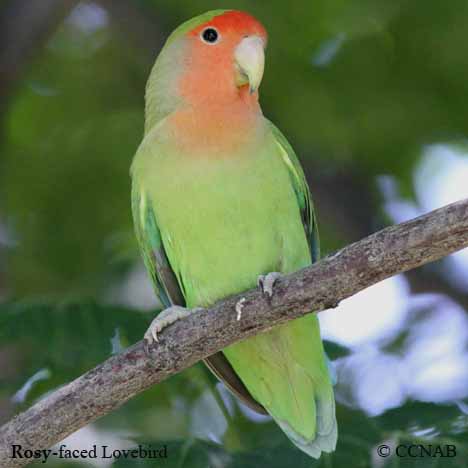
(213, 56)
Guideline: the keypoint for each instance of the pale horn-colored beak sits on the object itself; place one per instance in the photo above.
(250, 61)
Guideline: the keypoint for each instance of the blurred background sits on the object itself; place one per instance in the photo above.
(372, 95)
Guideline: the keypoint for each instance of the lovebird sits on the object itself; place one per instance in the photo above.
(221, 204)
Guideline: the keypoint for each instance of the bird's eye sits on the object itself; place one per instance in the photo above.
(210, 35)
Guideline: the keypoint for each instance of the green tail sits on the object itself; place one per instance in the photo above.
(285, 370)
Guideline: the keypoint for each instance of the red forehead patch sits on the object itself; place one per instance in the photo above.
(234, 21)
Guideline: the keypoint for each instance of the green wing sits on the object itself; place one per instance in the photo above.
(154, 256)
(301, 188)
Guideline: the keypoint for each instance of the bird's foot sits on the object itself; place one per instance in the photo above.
(164, 319)
(267, 282)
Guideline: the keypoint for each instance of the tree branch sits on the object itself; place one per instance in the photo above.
(106, 387)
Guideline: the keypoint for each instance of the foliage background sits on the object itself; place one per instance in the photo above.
(372, 95)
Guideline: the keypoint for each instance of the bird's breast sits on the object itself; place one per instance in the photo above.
(215, 130)
(225, 221)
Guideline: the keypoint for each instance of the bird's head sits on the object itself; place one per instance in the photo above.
(217, 57)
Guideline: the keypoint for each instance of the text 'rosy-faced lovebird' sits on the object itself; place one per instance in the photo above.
(220, 201)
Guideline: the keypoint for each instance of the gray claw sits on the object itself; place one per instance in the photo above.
(239, 307)
(267, 282)
(164, 319)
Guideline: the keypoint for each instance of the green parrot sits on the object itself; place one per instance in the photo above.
(220, 204)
